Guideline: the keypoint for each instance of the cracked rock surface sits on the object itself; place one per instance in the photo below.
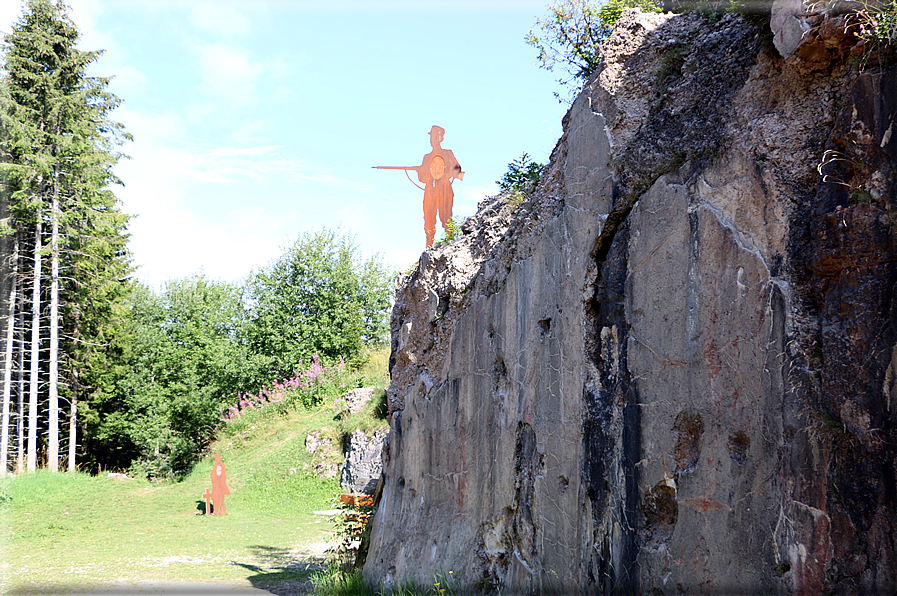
(673, 369)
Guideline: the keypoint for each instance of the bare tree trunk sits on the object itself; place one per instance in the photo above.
(35, 352)
(8, 262)
(53, 456)
(7, 371)
(73, 421)
(20, 393)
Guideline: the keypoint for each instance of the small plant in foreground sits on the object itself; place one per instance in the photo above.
(352, 531)
(443, 584)
(876, 22)
(333, 581)
(453, 231)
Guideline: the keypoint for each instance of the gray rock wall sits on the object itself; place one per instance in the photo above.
(475, 438)
(671, 370)
(363, 466)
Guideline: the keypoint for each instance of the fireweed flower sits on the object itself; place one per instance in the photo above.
(308, 384)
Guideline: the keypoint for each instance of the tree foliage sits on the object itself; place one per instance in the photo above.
(523, 175)
(569, 38)
(179, 358)
(319, 297)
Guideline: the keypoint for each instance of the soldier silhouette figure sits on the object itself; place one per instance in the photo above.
(219, 486)
(437, 171)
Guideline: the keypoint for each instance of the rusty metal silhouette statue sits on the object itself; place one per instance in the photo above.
(437, 171)
(219, 488)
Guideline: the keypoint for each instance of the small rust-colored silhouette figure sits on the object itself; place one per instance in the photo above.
(437, 171)
(219, 486)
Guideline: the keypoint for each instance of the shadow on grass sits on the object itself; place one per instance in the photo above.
(278, 571)
(282, 571)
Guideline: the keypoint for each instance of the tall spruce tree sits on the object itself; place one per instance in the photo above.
(58, 157)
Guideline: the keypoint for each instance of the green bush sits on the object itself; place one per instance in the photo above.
(177, 359)
(570, 37)
(333, 581)
(319, 297)
(523, 175)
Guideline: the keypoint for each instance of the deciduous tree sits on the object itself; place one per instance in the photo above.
(177, 358)
(318, 297)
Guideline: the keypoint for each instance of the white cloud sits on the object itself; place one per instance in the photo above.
(228, 72)
(401, 259)
(10, 11)
(84, 13)
(251, 131)
(152, 129)
(172, 180)
(114, 62)
(219, 17)
(198, 113)
(354, 217)
(162, 144)
(182, 242)
(242, 151)
(230, 75)
(127, 80)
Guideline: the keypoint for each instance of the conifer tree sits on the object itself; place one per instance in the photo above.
(58, 157)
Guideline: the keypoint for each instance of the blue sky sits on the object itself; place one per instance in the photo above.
(257, 121)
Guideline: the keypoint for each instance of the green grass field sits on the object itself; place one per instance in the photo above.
(73, 533)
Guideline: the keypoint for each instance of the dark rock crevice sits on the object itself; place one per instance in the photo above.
(847, 275)
(610, 420)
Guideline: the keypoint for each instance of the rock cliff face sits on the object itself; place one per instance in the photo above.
(672, 369)
(363, 466)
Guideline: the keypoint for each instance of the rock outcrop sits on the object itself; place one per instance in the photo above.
(363, 466)
(357, 399)
(672, 369)
(320, 444)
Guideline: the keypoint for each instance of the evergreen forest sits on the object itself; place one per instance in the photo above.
(100, 372)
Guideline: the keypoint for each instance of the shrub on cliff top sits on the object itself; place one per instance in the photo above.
(572, 33)
(523, 175)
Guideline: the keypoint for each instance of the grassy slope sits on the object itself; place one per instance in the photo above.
(66, 533)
